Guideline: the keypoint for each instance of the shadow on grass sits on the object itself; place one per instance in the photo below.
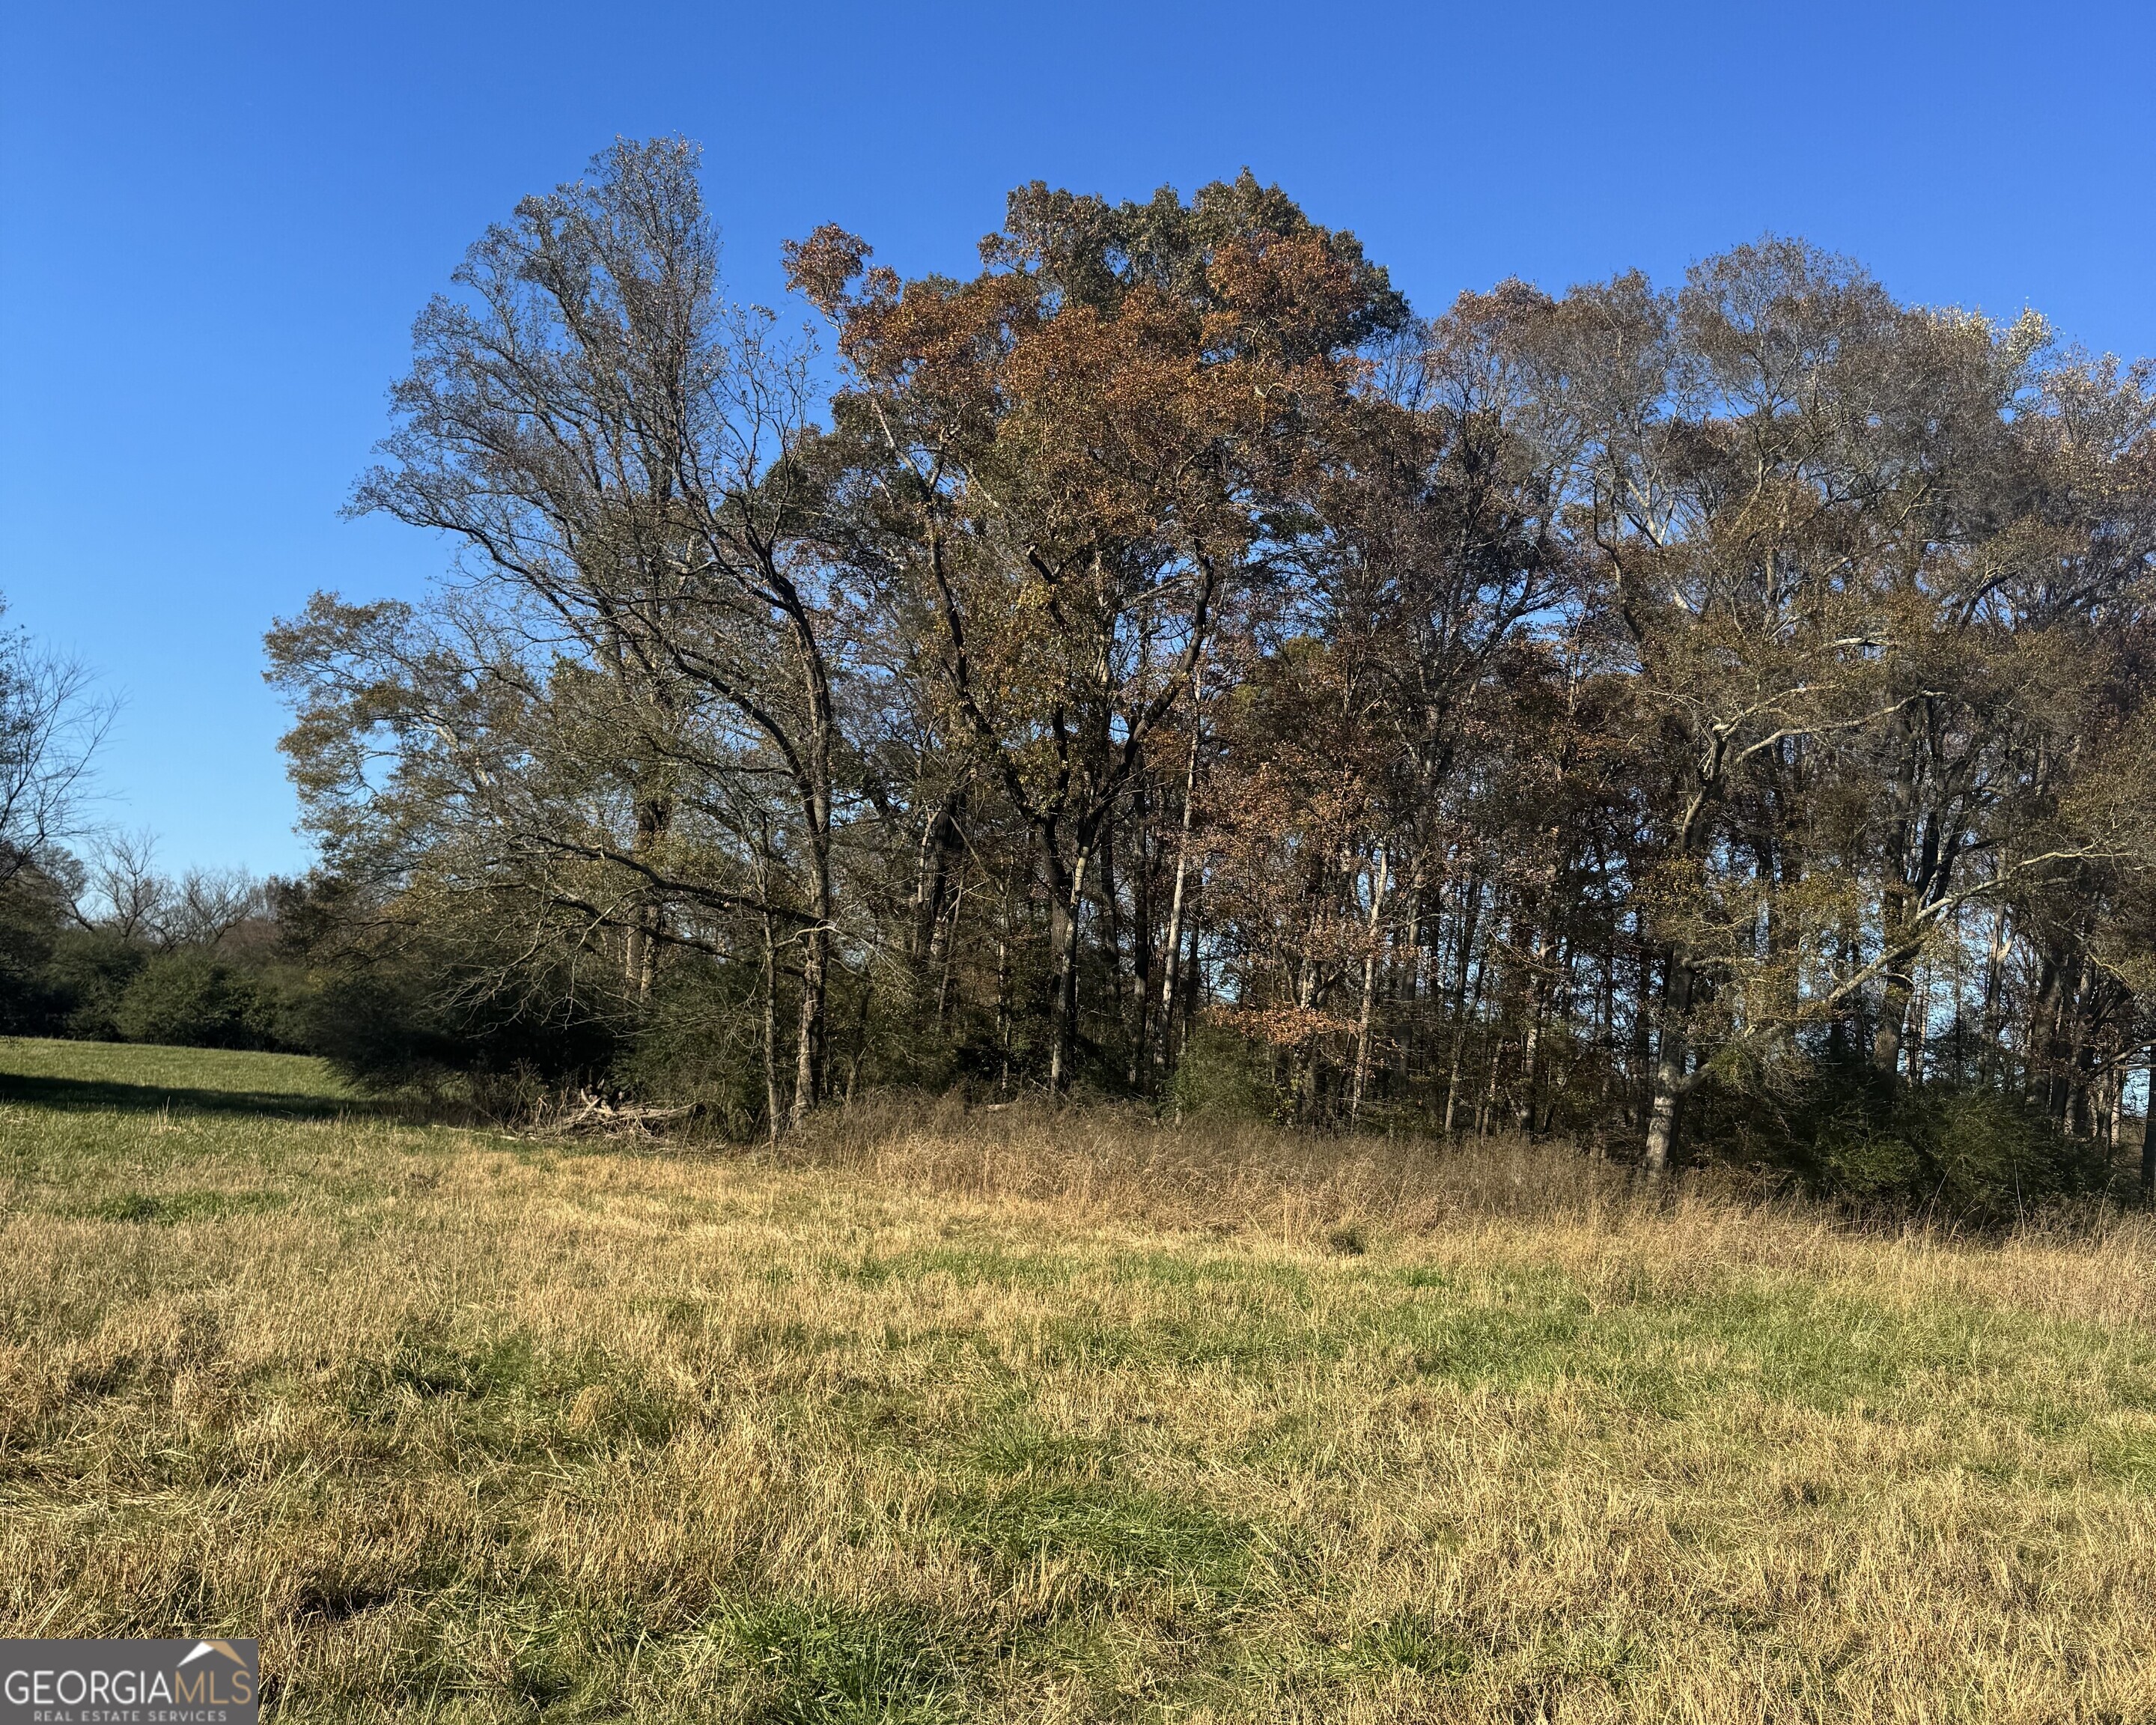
(88, 1095)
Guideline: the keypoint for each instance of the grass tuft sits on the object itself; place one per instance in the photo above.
(822, 1664)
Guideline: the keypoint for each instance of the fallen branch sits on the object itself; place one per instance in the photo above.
(587, 1114)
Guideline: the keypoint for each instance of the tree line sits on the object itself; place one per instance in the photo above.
(1705, 721)
(98, 943)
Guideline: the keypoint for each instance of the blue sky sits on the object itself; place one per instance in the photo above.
(216, 221)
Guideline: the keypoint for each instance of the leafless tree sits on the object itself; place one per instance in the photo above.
(52, 720)
(127, 895)
(208, 905)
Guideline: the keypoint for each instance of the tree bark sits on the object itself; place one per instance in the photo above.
(1662, 1117)
(1470, 916)
(1066, 903)
(771, 1108)
(1670, 1080)
(1369, 991)
(808, 1049)
(1171, 952)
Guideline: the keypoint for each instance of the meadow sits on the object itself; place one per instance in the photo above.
(1022, 1415)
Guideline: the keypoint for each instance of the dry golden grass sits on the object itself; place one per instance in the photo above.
(1016, 1417)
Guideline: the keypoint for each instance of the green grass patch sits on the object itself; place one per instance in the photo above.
(148, 1078)
(812, 1662)
(167, 1208)
(1117, 1541)
(505, 1395)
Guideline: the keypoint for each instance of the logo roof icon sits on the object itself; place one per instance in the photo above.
(225, 1647)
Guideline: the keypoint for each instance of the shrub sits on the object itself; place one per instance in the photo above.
(88, 974)
(1979, 1156)
(31, 907)
(1220, 1077)
(395, 1024)
(375, 1027)
(190, 999)
(699, 1042)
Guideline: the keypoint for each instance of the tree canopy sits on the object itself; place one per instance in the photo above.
(1708, 719)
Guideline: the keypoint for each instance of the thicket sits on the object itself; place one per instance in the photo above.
(111, 951)
(1705, 722)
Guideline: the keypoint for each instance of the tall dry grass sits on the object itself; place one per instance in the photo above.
(2092, 1261)
(1025, 1415)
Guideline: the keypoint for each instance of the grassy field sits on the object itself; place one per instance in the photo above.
(1016, 1417)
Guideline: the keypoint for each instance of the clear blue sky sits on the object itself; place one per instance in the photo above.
(216, 221)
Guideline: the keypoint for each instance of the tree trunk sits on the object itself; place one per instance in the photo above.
(1470, 915)
(1888, 1036)
(1111, 944)
(1063, 1028)
(640, 940)
(1523, 1112)
(1306, 1059)
(1638, 1071)
(1002, 987)
(947, 938)
(1662, 1117)
(808, 1039)
(861, 1031)
(815, 970)
(1172, 947)
(1137, 1065)
(1194, 973)
(2079, 1056)
(1670, 1083)
(1369, 992)
(931, 879)
(1988, 1064)
(1413, 986)
(1487, 1111)
(2047, 1038)
(1541, 986)
(771, 1109)
(1919, 1016)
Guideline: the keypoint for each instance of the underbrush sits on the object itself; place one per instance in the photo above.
(1981, 1171)
(1127, 1163)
